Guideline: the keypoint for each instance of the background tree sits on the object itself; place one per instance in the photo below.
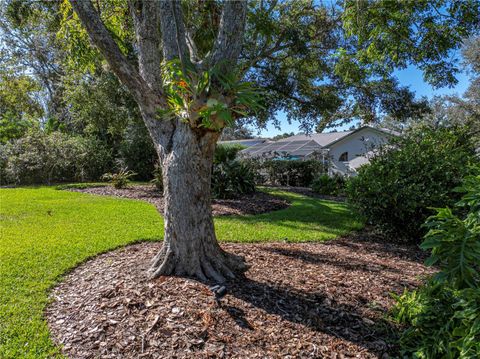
(19, 104)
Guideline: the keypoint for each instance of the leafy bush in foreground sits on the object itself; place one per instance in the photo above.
(329, 185)
(403, 181)
(443, 317)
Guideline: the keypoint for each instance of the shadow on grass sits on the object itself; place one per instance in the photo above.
(310, 215)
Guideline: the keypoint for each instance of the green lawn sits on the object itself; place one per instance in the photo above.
(45, 232)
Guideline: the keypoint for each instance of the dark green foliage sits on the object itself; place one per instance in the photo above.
(226, 153)
(41, 157)
(231, 177)
(443, 322)
(288, 172)
(137, 151)
(416, 172)
(329, 185)
(443, 317)
(157, 177)
(455, 241)
(119, 179)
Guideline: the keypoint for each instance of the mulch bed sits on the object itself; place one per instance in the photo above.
(255, 203)
(298, 300)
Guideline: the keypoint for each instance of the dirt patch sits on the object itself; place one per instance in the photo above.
(297, 300)
(255, 203)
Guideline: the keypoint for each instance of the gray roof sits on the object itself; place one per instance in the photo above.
(293, 148)
(326, 139)
(303, 145)
(247, 143)
(323, 139)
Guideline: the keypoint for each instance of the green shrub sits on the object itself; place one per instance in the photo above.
(443, 316)
(329, 185)
(41, 157)
(226, 153)
(137, 151)
(286, 172)
(231, 179)
(119, 179)
(404, 180)
(441, 322)
(157, 177)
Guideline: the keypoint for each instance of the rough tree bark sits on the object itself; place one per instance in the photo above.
(190, 246)
(186, 153)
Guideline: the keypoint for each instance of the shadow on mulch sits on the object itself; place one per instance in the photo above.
(318, 311)
(253, 203)
(298, 299)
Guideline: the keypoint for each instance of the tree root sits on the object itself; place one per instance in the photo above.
(217, 267)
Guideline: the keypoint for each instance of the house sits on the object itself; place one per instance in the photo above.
(345, 151)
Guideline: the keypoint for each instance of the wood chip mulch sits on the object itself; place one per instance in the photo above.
(298, 300)
(255, 203)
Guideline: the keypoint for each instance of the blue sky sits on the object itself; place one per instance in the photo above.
(410, 76)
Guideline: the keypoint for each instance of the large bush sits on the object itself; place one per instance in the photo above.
(41, 157)
(442, 318)
(397, 190)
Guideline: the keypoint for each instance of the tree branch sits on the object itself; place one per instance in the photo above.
(125, 71)
(173, 31)
(229, 40)
(146, 20)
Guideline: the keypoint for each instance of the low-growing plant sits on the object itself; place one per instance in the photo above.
(443, 316)
(80, 185)
(418, 171)
(119, 179)
(329, 185)
(232, 179)
(157, 177)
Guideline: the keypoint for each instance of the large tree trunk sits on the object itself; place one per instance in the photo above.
(190, 247)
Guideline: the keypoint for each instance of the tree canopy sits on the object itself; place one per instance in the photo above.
(321, 63)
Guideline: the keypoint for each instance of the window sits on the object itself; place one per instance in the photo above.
(343, 157)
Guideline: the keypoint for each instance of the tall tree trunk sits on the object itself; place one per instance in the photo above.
(190, 247)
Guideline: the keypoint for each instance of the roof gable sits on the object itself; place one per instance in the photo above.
(375, 129)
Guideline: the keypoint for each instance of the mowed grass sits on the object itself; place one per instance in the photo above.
(307, 219)
(45, 232)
